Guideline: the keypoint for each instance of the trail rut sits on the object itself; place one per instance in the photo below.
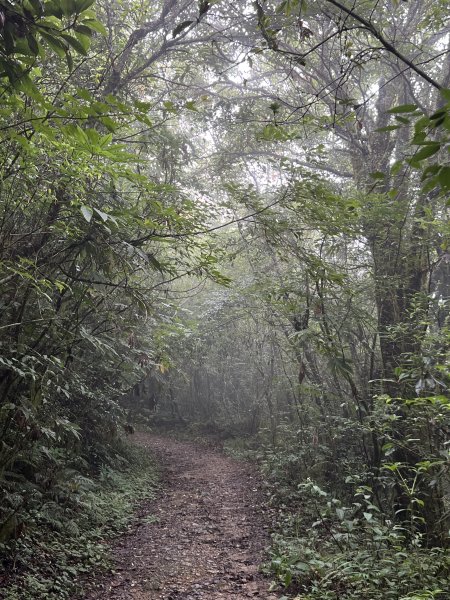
(208, 535)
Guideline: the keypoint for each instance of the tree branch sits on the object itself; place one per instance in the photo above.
(389, 47)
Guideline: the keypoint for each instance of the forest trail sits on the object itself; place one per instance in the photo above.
(207, 537)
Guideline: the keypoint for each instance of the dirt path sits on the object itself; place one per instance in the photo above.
(208, 536)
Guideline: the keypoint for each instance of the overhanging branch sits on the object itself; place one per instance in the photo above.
(386, 44)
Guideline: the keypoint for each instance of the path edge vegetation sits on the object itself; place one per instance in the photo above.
(64, 551)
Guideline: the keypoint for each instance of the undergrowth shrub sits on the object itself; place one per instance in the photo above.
(324, 550)
(68, 530)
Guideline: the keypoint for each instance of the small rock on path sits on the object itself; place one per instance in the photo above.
(207, 539)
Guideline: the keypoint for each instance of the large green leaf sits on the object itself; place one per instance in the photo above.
(87, 212)
(403, 108)
(80, 46)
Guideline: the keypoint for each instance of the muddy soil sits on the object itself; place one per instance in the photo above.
(203, 538)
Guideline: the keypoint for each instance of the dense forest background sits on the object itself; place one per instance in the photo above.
(231, 217)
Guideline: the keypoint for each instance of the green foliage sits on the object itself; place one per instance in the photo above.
(87, 235)
(432, 138)
(352, 552)
(30, 27)
(68, 529)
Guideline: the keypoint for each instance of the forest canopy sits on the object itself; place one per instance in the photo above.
(233, 217)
